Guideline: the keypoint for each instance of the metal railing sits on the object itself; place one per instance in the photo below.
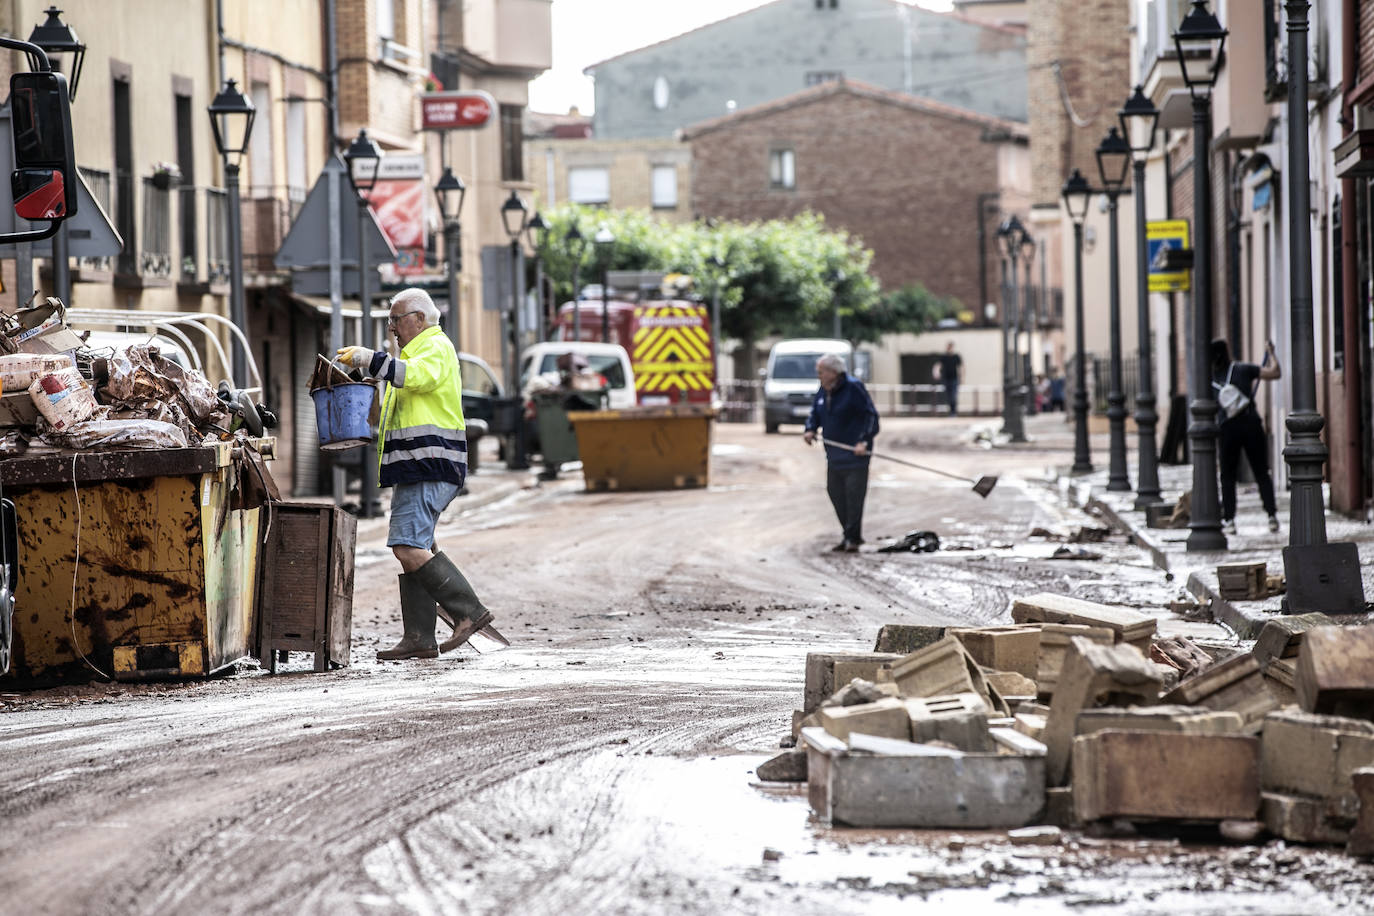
(216, 235)
(741, 400)
(102, 189)
(155, 250)
(186, 215)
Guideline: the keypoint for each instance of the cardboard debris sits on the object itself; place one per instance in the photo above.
(1165, 775)
(1336, 671)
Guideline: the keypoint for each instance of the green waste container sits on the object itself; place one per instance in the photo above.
(557, 440)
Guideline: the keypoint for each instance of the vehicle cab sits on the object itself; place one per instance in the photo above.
(789, 380)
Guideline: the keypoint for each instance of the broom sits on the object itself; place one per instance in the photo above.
(982, 486)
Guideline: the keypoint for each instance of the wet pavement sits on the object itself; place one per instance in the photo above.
(604, 763)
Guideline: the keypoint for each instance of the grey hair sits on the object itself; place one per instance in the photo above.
(417, 299)
(832, 361)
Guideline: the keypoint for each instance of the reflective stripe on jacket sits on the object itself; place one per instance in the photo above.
(421, 433)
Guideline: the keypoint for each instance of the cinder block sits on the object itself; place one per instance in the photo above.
(1010, 684)
(904, 639)
(1054, 642)
(1093, 673)
(1003, 648)
(1362, 836)
(1307, 754)
(1281, 637)
(1184, 720)
(959, 720)
(1299, 819)
(1336, 671)
(885, 718)
(937, 670)
(821, 676)
(1127, 625)
(1235, 685)
(1242, 581)
(1165, 775)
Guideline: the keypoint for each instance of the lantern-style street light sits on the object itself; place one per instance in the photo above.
(605, 246)
(535, 231)
(515, 214)
(450, 191)
(1077, 193)
(1113, 158)
(577, 247)
(231, 121)
(1010, 235)
(364, 159)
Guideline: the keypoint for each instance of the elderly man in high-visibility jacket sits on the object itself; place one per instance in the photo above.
(423, 457)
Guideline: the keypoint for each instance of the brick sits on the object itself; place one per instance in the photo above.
(1054, 642)
(1299, 819)
(820, 672)
(1235, 685)
(1093, 673)
(960, 720)
(1003, 648)
(1282, 637)
(1362, 836)
(905, 639)
(1165, 775)
(1127, 625)
(885, 718)
(1184, 720)
(1243, 581)
(1336, 671)
(1010, 684)
(1307, 754)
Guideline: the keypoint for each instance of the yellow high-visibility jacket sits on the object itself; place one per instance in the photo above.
(421, 433)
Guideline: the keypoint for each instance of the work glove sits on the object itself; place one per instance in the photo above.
(357, 357)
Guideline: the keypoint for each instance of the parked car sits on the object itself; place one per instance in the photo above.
(610, 360)
(789, 381)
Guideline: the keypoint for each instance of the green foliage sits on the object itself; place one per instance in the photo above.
(912, 308)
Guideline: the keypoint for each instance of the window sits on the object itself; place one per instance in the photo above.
(124, 176)
(589, 185)
(297, 181)
(186, 194)
(260, 143)
(512, 143)
(816, 77)
(386, 21)
(664, 191)
(155, 255)
(782, 168)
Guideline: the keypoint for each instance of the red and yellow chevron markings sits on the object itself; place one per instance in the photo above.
(671, 349)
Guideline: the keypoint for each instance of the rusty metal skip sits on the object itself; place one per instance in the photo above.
(982, 485)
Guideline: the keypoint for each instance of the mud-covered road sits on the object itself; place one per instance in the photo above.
(603, 764)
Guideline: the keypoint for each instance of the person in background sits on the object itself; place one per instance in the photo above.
(951, 368)
(842, 412)
(1242, 430)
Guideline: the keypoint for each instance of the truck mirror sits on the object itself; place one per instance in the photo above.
(43, 182)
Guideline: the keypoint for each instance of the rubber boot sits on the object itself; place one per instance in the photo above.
(458, 603)
(417, 614)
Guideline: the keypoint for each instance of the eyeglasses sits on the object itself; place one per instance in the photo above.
(393, 320)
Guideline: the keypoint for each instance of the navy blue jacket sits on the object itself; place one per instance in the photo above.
(846, 415)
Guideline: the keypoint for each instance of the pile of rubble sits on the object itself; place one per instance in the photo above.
(1081, 713)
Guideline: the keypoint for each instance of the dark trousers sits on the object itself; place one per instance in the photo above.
(1244, 433)
(847, 488)
(952, 397)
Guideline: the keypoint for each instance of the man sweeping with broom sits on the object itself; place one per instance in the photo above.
(844, 414)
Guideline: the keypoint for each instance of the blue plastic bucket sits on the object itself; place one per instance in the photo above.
(341, 414)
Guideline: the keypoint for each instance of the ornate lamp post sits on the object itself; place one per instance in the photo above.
(576, 247)
(1025, 316)
(1113, 156)
(535, 231)
(605, 244)
(364, 159)
(515, 217)
(1139, 121)
(231, 119)
(1199, 42)
(1305, 452)
(67, 53)
(451, 192)
(1009, 234)
(1077, 193)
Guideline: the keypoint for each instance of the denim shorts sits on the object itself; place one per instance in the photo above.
(415, 511)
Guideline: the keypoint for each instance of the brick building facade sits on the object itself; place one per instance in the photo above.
(902, 173)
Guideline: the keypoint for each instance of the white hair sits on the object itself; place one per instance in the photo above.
(832, 361)
(418, 300)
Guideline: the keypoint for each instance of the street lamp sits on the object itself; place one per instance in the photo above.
(450, 192)
(835, 277)
(1077, 193)
(1139, 120)
(66, 52)
(364, 160)
(605, 245)
(1305, 452)
(515, 216)
(1199, 42)
(1024, 361)
(1113, 157)
(231, 120)
(577, 246)
(1010, 234)
(535, 230)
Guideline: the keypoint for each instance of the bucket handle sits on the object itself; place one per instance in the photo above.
(329, 379)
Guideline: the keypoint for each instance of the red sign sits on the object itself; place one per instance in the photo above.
(456, 110)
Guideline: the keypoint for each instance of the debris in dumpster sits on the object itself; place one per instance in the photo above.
(41, 329)
(914, 542)
(64, 398)
(118, 434)
(20, 370)
(140, 374)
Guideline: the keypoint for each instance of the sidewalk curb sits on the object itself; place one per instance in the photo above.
(1157, 554)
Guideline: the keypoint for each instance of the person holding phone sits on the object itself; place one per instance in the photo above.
(1241, 429)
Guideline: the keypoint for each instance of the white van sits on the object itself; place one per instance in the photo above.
(609, 359)
(789, 382)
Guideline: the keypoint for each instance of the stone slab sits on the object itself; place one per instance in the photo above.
(1165, 775)
(903, 639)
(1128, 625)
(1362, 835)
(1336, 671)
(886, 718)
(1014, 649)
(1054, 642)
(1307, 754)
(1235, 685)
(1282, 637)
(1185, 720)
(1299, 819)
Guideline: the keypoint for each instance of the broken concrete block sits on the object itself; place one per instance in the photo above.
(1235, 685)
(959, 720)
(1336, 671)
(1307, 754)
(1115, 674)
(1281, 637)
(1362, 836)
(1059, 810)
(904, 639)
(859, 691)
(1243, 581)
(1030, 725)
(1054, 642)
(1009, 684)
(1182, 653)
(1165, 775)
(1002, 648)
(802, 720)
(900, 784)
(822, 679)
(1185, 720)
(938, 670)
(1127, 625)
(789, 766)
(886, 718)
(1300, 819)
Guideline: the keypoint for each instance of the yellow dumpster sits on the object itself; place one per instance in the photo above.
(132, 564)
(645, 448)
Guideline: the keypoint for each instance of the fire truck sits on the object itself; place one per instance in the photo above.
(667, 334)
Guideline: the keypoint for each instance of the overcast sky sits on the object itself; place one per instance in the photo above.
(588, 31)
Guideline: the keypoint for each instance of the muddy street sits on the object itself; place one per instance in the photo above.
(603, 763)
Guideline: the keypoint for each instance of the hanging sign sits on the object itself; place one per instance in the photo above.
(1160, 236)
(456, 110)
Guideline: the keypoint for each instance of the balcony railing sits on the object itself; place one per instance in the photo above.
(186, 215)
(102, 189)
(216, 236)
(265, 222)
(155, 252)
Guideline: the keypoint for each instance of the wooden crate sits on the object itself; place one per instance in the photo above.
(306, 587)
(1243, 581)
